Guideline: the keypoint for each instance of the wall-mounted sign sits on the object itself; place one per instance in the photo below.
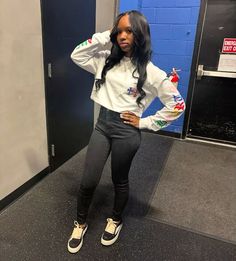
(229, 45)
(227, 63)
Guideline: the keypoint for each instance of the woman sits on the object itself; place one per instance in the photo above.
(126, 82)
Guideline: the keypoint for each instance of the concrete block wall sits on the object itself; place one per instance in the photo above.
(173, 26)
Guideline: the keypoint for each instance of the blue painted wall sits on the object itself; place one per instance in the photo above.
(173, 28)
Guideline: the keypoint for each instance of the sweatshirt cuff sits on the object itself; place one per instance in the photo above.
(144, 123)
(103, 38)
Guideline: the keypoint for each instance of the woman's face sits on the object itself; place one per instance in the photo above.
(125, 37)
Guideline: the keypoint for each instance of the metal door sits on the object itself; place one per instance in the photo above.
(213, 106)
(68, 88)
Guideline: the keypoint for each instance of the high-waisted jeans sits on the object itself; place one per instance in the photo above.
(113, 136)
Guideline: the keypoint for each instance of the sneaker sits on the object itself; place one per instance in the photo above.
(111, 232)
(76, 239)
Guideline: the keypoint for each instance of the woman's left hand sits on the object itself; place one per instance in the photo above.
(130, 118)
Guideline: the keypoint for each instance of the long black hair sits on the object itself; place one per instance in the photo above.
(141, 50)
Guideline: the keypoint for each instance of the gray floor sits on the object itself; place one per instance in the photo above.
(37, 226)
(197, 190)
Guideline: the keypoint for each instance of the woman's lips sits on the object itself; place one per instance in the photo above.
(123, 45)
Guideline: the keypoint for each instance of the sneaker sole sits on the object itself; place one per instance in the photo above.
(110, 242)
(76, 249)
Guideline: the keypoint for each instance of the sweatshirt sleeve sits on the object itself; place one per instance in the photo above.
(88, 54)
(170, 97)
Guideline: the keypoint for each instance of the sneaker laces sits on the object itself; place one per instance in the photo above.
(78, 230)
(111, 226)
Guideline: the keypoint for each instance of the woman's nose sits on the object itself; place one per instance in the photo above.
(123, 35)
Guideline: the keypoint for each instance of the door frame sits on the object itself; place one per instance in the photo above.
(46, 84)
(196, 52)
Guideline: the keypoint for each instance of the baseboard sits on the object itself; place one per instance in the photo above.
(9, 199)
(165, 133)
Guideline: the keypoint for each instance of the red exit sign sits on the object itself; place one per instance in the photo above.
(229, 45)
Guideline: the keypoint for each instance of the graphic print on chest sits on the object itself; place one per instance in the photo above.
(132, 91)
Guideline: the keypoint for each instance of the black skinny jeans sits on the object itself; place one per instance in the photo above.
(113, 136)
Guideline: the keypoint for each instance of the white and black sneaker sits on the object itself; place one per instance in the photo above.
(111, 232)
(75, 241)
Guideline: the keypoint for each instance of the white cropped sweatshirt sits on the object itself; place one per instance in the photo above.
(119, 92)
